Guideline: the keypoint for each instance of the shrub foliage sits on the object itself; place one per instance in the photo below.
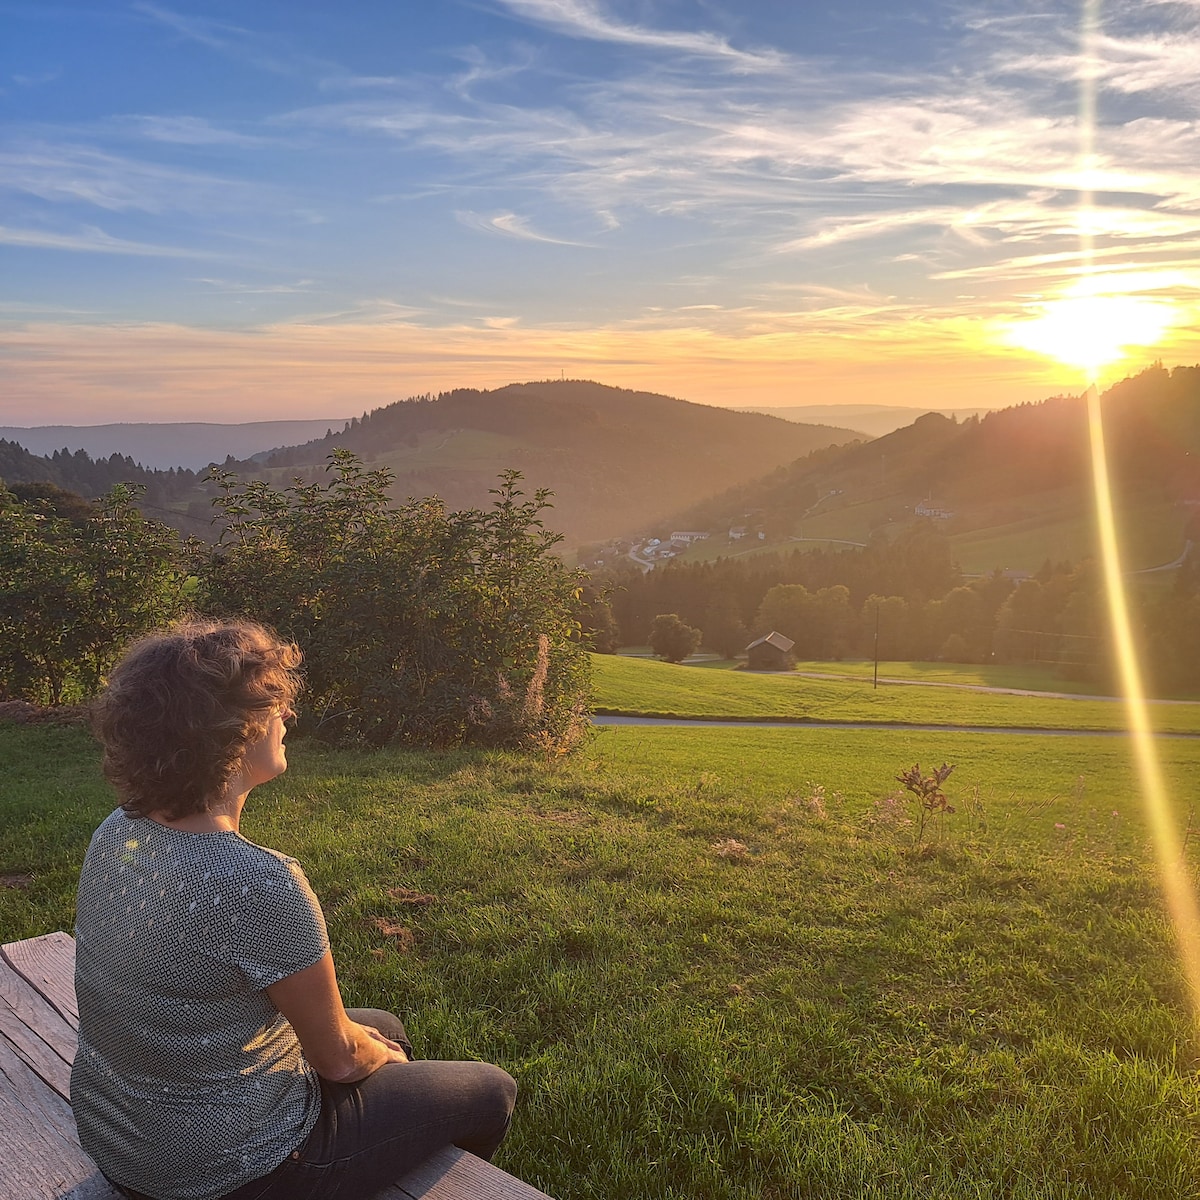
(672, 639)
(76, 584)
(417, 624)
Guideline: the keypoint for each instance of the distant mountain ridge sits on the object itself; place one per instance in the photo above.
(162, 445)
(875, 420)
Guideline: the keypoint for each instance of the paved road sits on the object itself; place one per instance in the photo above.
(970, 687)
(685, 723)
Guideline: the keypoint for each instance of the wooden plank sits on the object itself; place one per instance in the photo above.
(453, 1174)
(47, 963)
(37, 1033)
(95, 1188)
(40, 1158)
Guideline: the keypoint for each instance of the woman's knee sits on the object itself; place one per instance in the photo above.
(502, 1088)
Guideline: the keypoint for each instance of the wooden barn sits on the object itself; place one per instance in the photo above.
(771, 653)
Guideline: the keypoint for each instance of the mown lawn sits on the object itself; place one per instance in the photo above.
(636, 686)
(718, 965)
(1031, 677)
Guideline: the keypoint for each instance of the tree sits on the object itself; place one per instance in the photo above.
(671, 639)
(75, 589)
(597, 625)
(820, 623)
(417, 624)
(723, 628)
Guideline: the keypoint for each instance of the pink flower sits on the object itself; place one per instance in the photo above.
(1059, 825)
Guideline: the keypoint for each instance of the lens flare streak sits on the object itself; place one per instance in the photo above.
(1176, 883)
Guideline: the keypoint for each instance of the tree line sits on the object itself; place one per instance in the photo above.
(78, 472)
(418, 624)
(907, 600)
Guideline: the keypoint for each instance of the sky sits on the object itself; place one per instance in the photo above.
(296, 209)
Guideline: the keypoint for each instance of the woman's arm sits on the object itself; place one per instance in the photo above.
(339, 1049)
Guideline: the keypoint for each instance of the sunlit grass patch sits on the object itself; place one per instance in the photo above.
(633, 686)
(834, 1010)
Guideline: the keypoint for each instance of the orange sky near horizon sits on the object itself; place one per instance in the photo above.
(79, 374)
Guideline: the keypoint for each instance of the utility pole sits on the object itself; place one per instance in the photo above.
(876, 683)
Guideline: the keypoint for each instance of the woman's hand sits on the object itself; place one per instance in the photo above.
(397, 1050)
(340, 1050)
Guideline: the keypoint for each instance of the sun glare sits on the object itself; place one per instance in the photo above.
(1090, 331)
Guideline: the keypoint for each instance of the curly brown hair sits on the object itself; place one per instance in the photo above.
(181, 707)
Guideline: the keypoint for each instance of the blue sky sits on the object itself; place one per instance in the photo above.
(244, 211)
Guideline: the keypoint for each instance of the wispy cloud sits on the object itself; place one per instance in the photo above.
(589, 19)
(68, 172)
(215, 34)
(511, 225)
(191, 131)
(36, 80)
(91, 240)
(232, 287)
(231, 41)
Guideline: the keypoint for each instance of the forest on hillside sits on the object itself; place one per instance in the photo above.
(1030, 463)
(905, 598)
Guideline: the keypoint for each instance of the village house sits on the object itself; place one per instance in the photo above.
(925, 509)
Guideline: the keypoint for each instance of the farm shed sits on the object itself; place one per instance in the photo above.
(771, 653)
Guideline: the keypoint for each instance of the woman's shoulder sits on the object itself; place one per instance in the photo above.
(217, 854)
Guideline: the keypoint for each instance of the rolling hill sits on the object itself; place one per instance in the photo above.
(615, 459)
(1010, 489)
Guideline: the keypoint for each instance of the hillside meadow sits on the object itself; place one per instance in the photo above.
(719, 965)
(641, 686)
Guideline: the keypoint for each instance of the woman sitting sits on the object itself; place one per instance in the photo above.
(215, 1056)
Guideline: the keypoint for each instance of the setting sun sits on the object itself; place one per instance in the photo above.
(1090, 331)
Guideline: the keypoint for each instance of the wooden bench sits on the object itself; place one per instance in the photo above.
(40, 1157)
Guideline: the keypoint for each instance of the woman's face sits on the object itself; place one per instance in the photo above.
(267, 757)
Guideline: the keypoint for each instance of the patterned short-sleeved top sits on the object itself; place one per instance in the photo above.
(189, 1083)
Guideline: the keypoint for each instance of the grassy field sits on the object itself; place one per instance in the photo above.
(1152, 533)
(1062, 529)
(645, 687)
(1025, 676)
(718, 964)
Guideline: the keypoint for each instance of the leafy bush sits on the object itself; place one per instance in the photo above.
(417, 624)
(76, 584)
(672, 639)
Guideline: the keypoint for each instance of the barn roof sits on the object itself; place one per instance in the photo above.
(775, 639)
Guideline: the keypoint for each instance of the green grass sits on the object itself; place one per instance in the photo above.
(1025, 676)
(635, 686)
(827, 1013)
(1152, 534)
(1061, 529)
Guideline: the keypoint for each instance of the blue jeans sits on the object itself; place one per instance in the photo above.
(372, 1132)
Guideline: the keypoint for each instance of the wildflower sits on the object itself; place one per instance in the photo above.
(1059, 825)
